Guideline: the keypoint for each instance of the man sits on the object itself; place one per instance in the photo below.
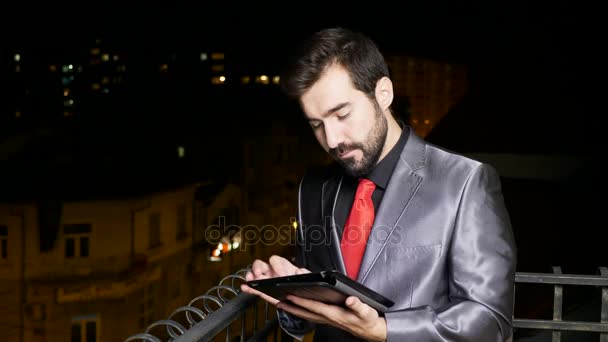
(424, 227)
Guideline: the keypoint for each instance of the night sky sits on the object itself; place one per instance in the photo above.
(532, 74)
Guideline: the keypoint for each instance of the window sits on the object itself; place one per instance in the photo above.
(154, 230)
(77, 238)
(147, 306)
(3, 242)
(182, 229)
(84, 329)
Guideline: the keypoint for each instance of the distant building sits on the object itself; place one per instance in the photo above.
(429, 87)
(103, 270)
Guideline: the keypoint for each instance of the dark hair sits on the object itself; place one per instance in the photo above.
(357, 53)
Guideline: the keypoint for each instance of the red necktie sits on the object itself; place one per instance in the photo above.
(357, 228)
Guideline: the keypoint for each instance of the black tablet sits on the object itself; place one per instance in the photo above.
(327, 286)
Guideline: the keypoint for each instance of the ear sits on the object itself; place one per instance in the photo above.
(384, 93)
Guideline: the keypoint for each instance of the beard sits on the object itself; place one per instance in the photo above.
(371, 148)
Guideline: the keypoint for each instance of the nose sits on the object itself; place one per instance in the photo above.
(332, 136)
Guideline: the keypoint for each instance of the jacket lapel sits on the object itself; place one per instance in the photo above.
(330, 191)
(401, 188)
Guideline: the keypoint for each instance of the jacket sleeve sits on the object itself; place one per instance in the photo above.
(482, 260)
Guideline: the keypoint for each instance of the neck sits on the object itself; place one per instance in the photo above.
(392, 135)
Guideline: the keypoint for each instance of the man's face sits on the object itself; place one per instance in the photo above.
(348, 125)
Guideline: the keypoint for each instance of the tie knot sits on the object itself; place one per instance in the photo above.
(365, 188)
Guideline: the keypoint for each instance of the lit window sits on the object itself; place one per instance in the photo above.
(95, 51)
(67, 80)
(3, 242)
(105, 57)
(427, 121)
(95, 86)
(218, 79)
(76, 238)
(17, 57)
(52, 68)
(105, 80)
(217, 56)
(262, 79)
(115, 58)
(181, 151)
(105, 90)
(276, 79)
(17, 68)
(217, 67)
(415, 121)
(66, 92)
(18, 114)
(203, 57)
(84, 329)
(67, 114)
(164, 68)
(245, 79)
(68, 103)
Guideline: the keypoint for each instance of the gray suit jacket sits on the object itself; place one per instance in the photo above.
(441, 248)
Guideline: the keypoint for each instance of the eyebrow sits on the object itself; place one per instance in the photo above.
(333, 109)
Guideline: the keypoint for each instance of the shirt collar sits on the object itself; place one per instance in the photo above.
(382, 172)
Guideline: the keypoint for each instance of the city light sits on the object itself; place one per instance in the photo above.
(222, 79)
(217, 56)
(295, 225)
(245, 79)
(203, 57)
(17, 57)
(181, 151)
(105, 57)
(276, 79)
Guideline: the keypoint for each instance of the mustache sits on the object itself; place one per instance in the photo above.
(344, 148)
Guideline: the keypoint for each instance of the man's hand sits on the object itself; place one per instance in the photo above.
(276, 267)
(358, 318)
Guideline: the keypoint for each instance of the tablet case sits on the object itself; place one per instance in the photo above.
(326, 286)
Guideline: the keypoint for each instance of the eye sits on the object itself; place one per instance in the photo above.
(342, 116)
(315, 124)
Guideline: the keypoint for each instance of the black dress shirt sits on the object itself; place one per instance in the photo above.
(380, 175)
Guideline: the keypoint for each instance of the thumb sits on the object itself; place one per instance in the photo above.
(355, 304)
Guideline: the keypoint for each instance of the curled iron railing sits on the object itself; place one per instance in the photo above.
(207, 315)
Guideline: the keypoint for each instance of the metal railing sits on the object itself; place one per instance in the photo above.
(212, 315)
(558, 280)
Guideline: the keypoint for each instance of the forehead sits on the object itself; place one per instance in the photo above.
(333, 87)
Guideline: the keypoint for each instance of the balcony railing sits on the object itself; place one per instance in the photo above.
(224, 311)
(558, 280)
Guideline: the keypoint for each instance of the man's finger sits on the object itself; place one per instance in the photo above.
(281, 266)
(302, 313)
(261, 270)
(302, 271)
(265, 297)
(359, 308)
